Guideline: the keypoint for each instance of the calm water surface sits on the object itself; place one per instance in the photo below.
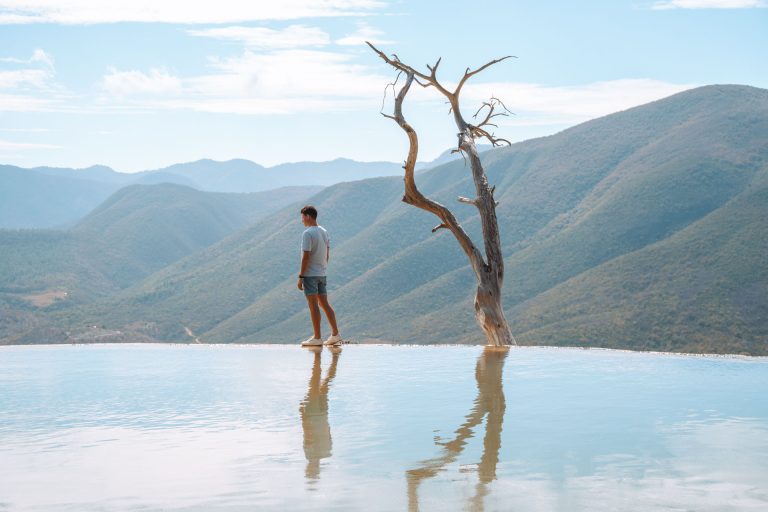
(209, 428)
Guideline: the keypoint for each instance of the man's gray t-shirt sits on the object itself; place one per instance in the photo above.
(316, 240)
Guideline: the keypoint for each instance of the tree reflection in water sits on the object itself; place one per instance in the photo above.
(490, 402)
(314, 413)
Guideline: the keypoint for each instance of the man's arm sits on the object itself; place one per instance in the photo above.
(304, 262)
(304, 265)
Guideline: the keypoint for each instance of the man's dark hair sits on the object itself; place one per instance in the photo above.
(310, 210)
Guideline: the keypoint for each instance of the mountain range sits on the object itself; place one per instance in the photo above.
(645, 229)
(57, 197)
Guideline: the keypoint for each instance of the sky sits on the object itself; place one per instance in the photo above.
(143, 84)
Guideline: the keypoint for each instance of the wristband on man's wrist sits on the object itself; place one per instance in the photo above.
(301, 276)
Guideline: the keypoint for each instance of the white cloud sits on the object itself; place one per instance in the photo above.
(297, 73)
(22, 85)
(708, 4)
(6, 145)
(255, 106)
(300, 80)
(537, 105)
(176, 11)
(26, 130)
(363, 33)
(294, 36)
(281, 82)
(26, 103)
(132, 83)
(40, 56)
(36, 78)
(37, 56)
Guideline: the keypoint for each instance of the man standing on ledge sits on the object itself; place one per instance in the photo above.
(315, 252)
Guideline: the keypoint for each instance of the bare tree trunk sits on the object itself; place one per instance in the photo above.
(488, 309)
(489, 270)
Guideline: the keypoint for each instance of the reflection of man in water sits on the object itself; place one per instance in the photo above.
(314, 414)
(489, 402)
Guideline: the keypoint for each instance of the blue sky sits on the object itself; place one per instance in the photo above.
(143, 84)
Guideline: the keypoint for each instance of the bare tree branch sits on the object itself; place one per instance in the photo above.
(433, 69)
(488, 268)
(468, 74)
(491, 106)
(478, 133)
(394, 91)
(461, 152)
(414, 197)
(425, 85)
(428, 80)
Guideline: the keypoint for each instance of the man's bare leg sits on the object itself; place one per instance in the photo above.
(314, 313)
(329, 313)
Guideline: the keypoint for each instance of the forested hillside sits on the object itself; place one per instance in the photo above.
(643, 229)
(135, 232)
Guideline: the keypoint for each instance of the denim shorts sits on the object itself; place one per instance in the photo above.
(315, 285)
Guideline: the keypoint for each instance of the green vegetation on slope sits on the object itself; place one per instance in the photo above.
(156, 225)
(572, 205)
(136, 231)
(702, 289)
(627, 187)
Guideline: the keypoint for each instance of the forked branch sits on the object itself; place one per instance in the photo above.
(491, 105)
(426, 80)
(469, 74)
(478, 131)
(430, 80)
(412, 194)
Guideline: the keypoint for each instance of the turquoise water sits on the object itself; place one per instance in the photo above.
(208, 428)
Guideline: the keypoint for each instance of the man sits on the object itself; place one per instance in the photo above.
(315, 252)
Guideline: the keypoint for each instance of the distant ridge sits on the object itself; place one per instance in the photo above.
(30, 199)
(56, 197)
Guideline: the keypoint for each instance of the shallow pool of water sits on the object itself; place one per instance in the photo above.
(208, 428)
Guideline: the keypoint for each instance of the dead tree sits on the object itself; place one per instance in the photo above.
(488, 269)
